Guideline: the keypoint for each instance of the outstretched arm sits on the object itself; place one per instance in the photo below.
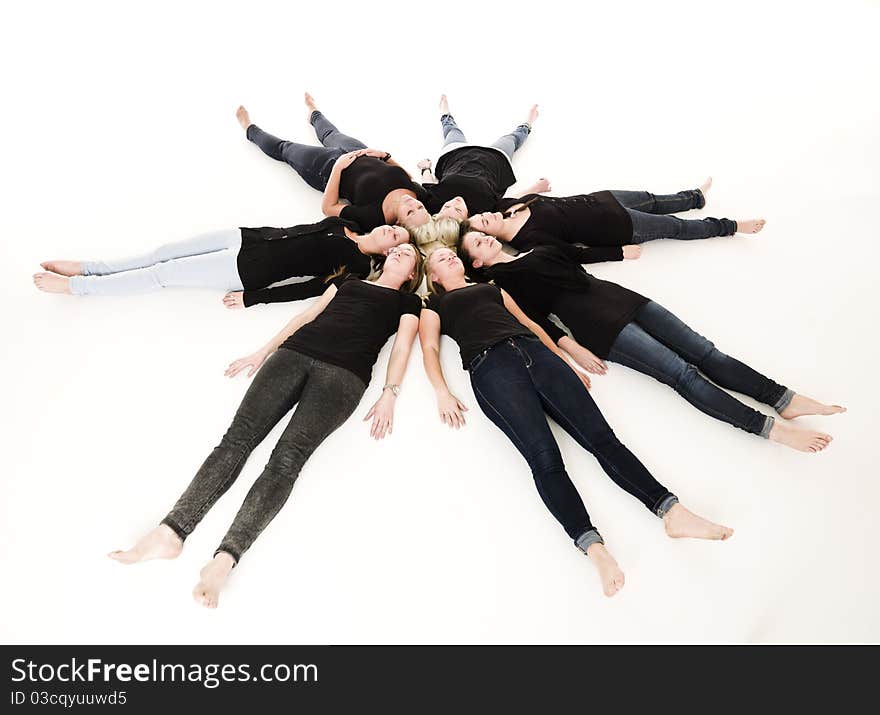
(279, 294)
(448, 405)
(382, 412)
(255, 360)
(540, 333)
(541, 186)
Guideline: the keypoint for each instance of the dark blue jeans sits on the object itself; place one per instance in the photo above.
(649, 222)
(516, 382)
(312, 163)
(658, 344)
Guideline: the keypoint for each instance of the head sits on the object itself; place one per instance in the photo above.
(488, 222)
(455, 208)
(411, 212)
(406, 263)
(436, 232)
(477, 249)
(441, 268)
(384, 238)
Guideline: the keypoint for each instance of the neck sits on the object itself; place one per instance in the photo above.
(389, 281)
(501, 257)
(454, 283)
(364, 243)
(507, 231)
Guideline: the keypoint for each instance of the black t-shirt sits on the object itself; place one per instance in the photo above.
(354, 326)
(545, 280)
(594, 220)
(480, 175)
(475, 317)
(365, 184)
(269, 255)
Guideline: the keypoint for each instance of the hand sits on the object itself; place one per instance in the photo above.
(383, 415)
(346, 160)
(586, 359)
(632, 252)
(424, 164)
(542, 185)
(374, 152)
(451, 409)
(252, 361)
(583, 378)
(234, 300)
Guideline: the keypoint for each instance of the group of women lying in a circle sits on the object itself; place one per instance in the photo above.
(365, 261)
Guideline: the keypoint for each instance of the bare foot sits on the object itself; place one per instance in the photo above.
(241, 114)
(681, 523)
(609, 571)
(63, 268)
(159, 543)
(212, 578)
(310, 106)
(705, 186)
(533, 115)
(804, 440)
(52, 283)
(632, 252)
(802, 405)
(753, 225)
(444, 105)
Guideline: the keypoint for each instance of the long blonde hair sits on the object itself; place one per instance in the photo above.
(436, 232)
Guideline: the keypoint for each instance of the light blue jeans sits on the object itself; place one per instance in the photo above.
(454, 138)
(209, 260)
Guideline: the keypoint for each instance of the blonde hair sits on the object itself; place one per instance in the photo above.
(439, 231)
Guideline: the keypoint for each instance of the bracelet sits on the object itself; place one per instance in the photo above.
(395, 389)
(386, 157)
(427, 168)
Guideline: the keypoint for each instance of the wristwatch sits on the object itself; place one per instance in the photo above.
(394, 388)
(387, 156)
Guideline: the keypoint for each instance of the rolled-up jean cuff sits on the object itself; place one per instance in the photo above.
(785, 400)
(175, 528)
(665, 505)
(77, 285)
(236, 557)
(313, 116)
(527, 126)
(587, 539)
(768, 425)
(702, 202)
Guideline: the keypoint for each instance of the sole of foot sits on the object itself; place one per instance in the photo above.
(803, 440)
(241, 114)
(63, 268)
(310, 105)
(52, 283)
(681, 523)
(752, 225)
(533, 114)
(444, 105)
(801, 405)
(609, 572)
(159, 543)
(212, 578)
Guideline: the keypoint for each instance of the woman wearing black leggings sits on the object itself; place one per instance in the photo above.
(517, 378)
(321, 362)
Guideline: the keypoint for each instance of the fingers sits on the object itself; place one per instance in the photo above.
(461, 406)
(370, 413)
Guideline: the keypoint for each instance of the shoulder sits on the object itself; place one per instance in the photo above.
(410, 303)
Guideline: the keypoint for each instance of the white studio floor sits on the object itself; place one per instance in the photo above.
(119, 135)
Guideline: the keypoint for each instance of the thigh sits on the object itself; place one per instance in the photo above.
(218, 269)
(638, 200)
(209, 242)
(638, 350)
(649, 227)
(669, 329)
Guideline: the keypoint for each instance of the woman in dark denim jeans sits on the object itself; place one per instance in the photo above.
(319, 364)
(518, 380)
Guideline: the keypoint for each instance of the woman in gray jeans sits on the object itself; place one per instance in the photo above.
(321, 362)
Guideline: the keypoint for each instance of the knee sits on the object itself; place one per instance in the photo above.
(685, 377)
(545, 459)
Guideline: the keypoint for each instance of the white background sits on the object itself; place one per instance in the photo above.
(118, 135)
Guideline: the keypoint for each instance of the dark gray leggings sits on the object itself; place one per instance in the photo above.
(327, 396)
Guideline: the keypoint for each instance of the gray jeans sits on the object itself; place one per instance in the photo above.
(209, 260)
(453, 138)
(326, 396)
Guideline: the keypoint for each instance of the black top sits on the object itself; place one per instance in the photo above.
(475, 318)
(546, 280)
(354, 326)
(480, 175)
(596, 220)
(365, 184)
(269, 255)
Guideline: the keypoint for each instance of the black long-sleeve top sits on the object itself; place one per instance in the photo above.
(480, 175)
(596, 221)
(547, 280)
(269, 255)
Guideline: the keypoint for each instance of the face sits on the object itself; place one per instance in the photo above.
(387, 237)
(455, 209)
(411, 212)
(401, 261)
(482, 247)
(487, 222)
(443, 265)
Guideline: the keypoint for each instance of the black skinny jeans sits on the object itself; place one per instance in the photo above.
(312, 163)
(326, 397)
(516, 382)
(649, 220)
